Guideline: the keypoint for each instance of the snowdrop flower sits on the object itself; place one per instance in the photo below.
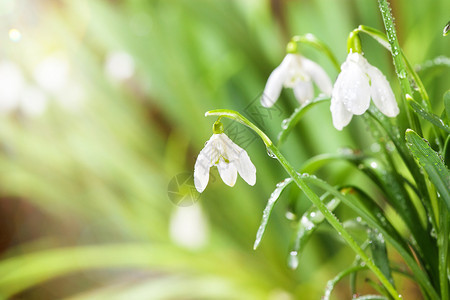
(298, 73)
(356, 84)
(229, 158)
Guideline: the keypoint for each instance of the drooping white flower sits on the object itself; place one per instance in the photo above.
(356, 84)
(298, 73)
(229, 158)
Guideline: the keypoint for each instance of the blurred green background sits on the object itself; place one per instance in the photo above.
(102, 116)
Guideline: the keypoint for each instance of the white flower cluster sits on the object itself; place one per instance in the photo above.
(357, 83)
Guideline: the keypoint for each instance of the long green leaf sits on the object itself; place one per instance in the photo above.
(444, 227)
(432, 164)
(393, 186)
(447, 104)
(379, 253)
(393, 133)
(268, 209)
(318, 161)
(432, 118)
(333, 282)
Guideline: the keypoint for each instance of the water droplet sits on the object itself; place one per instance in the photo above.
(284, 124)
(290, 215)
(375, 147)
(306, 223)
(293, 260)
(433, 233)
(270, 153)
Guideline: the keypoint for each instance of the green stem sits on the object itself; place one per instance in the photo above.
(234, 115)
(399, 64)
(329, 216)
(312, 40)
(354, 42)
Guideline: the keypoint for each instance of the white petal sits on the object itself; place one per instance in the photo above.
(246, 168)
(352, 87)
(206, 158)
(318, 74)
(303, 91)
(228, 149)
(340, 115)
(228, 172)
(275, 82)
(381, 92)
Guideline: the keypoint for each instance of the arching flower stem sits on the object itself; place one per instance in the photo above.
(312, 40)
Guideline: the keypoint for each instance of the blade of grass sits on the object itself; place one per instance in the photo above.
(331, 284)
(432, 118)
(444, 225)
(432, 164)
(379, 253)
(268, 209)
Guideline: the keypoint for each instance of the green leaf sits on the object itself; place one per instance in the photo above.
(372, 214)
(306, 226)
(432, 164)
(432, 118)
(447, 104)
(379, 253)
(440, 61)
(446, 151)
(270, 204)
(393, 186)
(288, 124)
(394, 134)
(442, 241)
(333, 282)
(318, 161)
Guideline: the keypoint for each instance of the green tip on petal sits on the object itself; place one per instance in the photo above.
(218, 127)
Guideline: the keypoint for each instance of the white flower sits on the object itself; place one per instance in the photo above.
(229, 158)
(298, 73)
(356, 84)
